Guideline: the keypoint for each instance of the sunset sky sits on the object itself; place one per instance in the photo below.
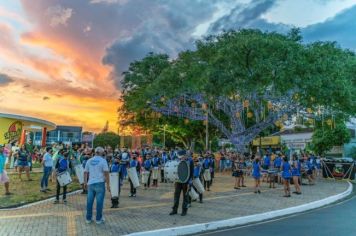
(61, 60)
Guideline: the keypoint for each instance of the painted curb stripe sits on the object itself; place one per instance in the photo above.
(199, 228)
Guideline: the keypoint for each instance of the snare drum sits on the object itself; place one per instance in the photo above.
(193, 194)
(64, 178)
(207, 175)
(198, 185)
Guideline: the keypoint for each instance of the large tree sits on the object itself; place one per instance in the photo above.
(244, 81)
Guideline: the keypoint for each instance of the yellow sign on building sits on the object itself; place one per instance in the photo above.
(12, 126)
(267, 141)
(10, 130)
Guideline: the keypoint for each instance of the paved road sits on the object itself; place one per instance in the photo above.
(334, 220)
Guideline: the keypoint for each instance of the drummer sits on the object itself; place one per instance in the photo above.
(62, 165)
(133, 164)
(182, 187)
(147, 165)
(164, 160)
(206, 167)
(116, 168)
(156, 162)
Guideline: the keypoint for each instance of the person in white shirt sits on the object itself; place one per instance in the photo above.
(47, 164)
(97, 170)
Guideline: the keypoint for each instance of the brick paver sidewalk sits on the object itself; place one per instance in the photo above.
(149, 210)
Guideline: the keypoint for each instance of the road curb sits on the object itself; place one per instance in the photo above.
(199, 228)
(38, 202)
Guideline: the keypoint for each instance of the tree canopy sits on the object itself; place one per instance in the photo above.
(107, 138)
(239, 64)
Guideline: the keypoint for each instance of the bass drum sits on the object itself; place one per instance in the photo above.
(171, 171)
(183, 171)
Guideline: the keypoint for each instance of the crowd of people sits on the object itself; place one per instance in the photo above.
(272, 168)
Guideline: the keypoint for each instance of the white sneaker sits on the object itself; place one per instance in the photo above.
(100, 221)
(88, 221)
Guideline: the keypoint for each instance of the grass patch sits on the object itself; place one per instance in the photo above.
(25, 192)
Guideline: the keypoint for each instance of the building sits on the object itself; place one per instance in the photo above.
(296, 140)
(19, 128)
(64, 134)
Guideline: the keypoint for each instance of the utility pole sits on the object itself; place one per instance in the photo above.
(207, 132)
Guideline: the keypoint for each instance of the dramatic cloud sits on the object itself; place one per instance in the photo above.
(5, 79)
(58, 15)
(167, 29)
(244, 16)
(121, 2)
(341, 29)
(74, 52)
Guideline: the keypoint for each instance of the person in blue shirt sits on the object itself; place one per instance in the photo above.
(296, 174)
(23, 162)
(212, 168)
(256, 174)
(286, 175)
(164, 160)
(147, 166)
(265, 166)
(206, 167)
(182, 187)
(156, 163)
(277, 163)
(4, 179)
(124, 161)
(309, 169)
(116, 168)
(133, 164)
(62, 165)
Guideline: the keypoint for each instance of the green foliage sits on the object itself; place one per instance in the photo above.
(353, 153)
(325, 138)
(107, 138)
(240, 63)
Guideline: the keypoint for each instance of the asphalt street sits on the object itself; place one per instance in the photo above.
(334, 220)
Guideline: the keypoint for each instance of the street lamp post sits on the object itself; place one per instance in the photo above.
(207, 132)
(164, 136)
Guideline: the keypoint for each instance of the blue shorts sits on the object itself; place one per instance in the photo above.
(256, 176)
(22, 163)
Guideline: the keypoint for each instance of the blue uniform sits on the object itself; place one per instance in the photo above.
(286, 174)
(277, 162)
(197, 170)
(296, 168)
(133, 163)
(63, 165)
(147, 164)
(266, 162)
(256, 170)
(206, 163)
(155, 162)
(164, 158)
